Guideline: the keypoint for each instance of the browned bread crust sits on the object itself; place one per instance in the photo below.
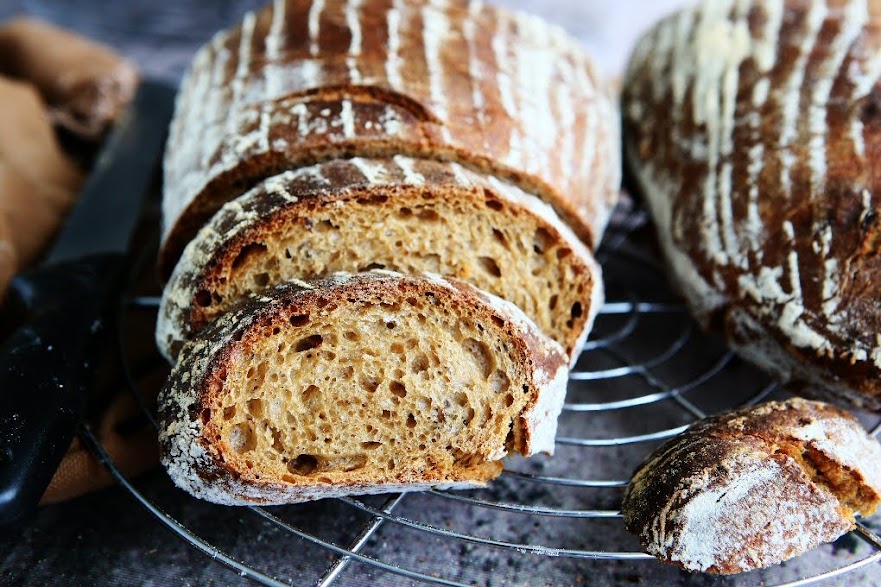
(239, 429)
(753, 133)
(305, 81)
(754, 487)
(403, 214)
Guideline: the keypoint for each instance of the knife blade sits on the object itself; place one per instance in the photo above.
(47, 364)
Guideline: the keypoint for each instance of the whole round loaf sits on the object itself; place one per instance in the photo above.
(753, 129)
(304, 81)
(754, 487)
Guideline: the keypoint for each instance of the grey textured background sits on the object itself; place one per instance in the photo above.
(106, 538)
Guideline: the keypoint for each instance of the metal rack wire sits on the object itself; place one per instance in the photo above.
(644, 376)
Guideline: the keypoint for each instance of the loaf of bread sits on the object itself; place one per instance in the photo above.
(403, 214)
(752, 129)
(306, 81)
(361, 383)
(754, 487)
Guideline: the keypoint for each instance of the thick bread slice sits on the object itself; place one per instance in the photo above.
(301, 82)
(404, 214)
(752, 129)
(359, 384)
(754, 487)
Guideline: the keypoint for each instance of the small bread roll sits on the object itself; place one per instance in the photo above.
(754, 487)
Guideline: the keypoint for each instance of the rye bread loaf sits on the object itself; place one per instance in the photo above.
(754, 487)
(303, 81)
(752, 129)
(402, 214)
(361, 383)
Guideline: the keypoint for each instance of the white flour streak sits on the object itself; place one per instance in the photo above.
(410, 173)
(315, 26)
(393, 60)
(353, 21)
(435, 28)
(348, 119)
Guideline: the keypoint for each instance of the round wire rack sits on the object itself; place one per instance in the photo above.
(645, 374)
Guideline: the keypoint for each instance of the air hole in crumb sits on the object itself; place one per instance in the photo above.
(509, 400)
(412, 301)
(563, 253)
(276, 330)
(299, 320)
(242, 438)
(500, 237)
(419, 364)
(469, 416)
(303, 465)
(206, 415)
(372, 266)
(499, 322)
(577, 310)
(390, 325)
(499, 381)
(461, 399)
(351, 335)
(261, 279)
(277, 444)
(429, 215)
(308, 343)
(371, 445)
(411, 421)
(229, 412)
(542, 240)
(552, 303)
(247, 252)
(391, 464)
(405, 212)
(481, 355)
(368, 384)
(490, 266)
(203, 298)
(311, 393)
(493, 204)
(398, 389)
(255, 407)
(397, 348)
(386, 414)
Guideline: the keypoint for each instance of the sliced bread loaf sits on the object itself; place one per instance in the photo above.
(359, 384)
(303, 81)
(402, 214)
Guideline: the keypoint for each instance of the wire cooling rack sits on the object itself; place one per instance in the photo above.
(644, 375)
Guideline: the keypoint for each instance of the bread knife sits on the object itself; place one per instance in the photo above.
(47, 365)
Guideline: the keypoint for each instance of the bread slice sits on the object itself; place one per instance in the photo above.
(754, 487)
(402, 214)
(361, 383)
(303, 81)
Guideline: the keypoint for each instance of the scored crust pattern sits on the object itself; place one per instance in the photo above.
(752, 130)
(303, 81)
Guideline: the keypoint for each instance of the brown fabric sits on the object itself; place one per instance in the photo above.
(133, 451)
(81, 86)
(38, 183)
(85, 85)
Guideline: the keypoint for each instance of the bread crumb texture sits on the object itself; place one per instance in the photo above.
(754, 487)
(358, 384)
(361, 214)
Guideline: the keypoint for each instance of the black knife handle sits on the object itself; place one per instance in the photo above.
(46, 367)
